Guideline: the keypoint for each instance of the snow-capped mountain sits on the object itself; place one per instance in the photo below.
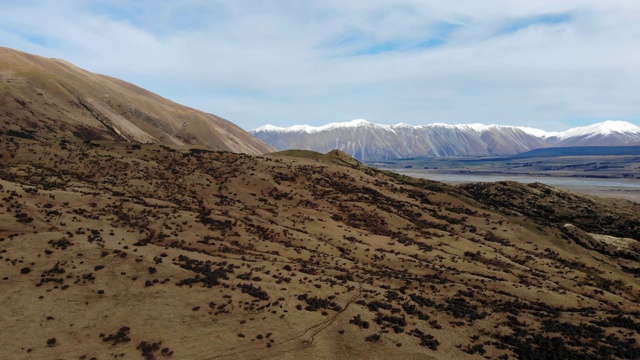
(607, 133)
(368, 142)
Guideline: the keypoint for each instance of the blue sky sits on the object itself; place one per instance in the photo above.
(546, 64)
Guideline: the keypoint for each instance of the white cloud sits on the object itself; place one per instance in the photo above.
(534, 63)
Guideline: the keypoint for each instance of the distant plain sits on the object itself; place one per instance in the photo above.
(614, 176)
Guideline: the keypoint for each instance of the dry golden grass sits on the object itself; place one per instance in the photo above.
(109, 248)
(51, 98)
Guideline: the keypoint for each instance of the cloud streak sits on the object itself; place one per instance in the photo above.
(546, 63)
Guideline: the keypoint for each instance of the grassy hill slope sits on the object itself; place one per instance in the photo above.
(52, 99)
(110, 248)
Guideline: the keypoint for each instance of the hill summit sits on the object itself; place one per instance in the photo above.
(51, 98)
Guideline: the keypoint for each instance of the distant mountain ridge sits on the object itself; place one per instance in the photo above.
(367, 141)
(51, 99)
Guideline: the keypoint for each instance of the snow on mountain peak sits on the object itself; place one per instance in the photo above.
(312, 129)
(537, 132)
(361, 122)
(267, 128)
(356, 122)
(477, 127)
(604, 128)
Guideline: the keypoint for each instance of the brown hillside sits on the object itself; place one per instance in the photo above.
(51, 98)
(118, 250)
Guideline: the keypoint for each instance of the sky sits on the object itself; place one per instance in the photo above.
(546, 64)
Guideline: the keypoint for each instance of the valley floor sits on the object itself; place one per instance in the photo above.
(628, 189)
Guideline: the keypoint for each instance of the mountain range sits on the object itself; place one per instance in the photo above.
(369, 142)
(51, 98)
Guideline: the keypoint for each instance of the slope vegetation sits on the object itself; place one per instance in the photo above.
(110, 249)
